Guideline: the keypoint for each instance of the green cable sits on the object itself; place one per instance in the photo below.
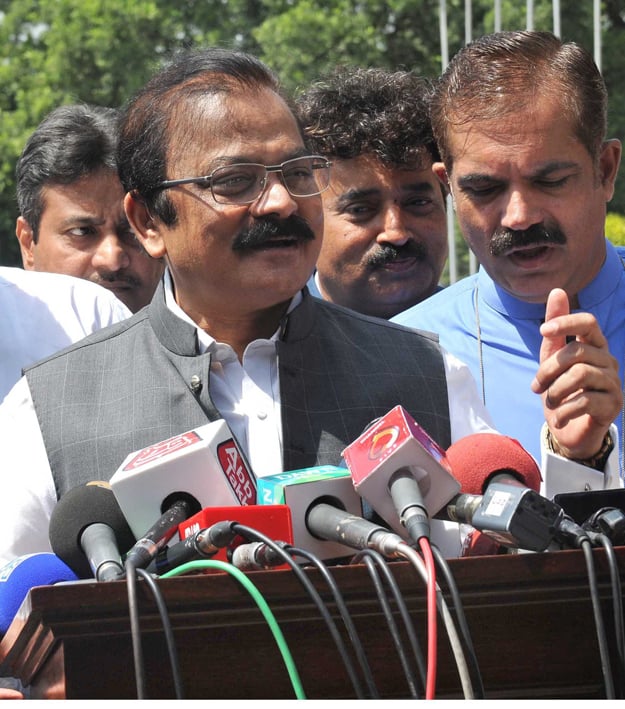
(260, 602)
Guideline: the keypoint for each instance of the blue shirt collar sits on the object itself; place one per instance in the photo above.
(600, 289)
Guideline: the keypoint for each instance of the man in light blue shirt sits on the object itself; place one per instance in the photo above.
(520, 120)
(498, 336)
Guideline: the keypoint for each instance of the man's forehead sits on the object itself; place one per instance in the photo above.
(238, 123)
(366, 171)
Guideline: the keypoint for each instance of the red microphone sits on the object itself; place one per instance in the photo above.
(482, 458)
(499, 496)
(209, 534)
(274, 521)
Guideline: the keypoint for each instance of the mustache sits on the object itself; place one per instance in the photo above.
(503, 240)
(117, 277)
(387, 253)
(263, 230)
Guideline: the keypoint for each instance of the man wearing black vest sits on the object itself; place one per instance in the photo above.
(220, 186)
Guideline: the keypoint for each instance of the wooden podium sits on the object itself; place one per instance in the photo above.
(530, 617)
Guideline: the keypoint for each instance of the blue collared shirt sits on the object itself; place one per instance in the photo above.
(505, 361)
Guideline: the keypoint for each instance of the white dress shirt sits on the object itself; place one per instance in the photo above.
(40, 313)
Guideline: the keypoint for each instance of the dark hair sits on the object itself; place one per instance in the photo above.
(506, 72)
(153, 115)
(355, 111)
(71, 142)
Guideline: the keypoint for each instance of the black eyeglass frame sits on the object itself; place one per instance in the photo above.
(207, 180)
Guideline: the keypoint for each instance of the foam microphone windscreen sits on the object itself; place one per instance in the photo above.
(20, 575)
(80, 507)
(476, 458)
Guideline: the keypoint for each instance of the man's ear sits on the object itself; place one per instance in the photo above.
(438, 168)
(144, 226)
(609, 161)
(26, 237)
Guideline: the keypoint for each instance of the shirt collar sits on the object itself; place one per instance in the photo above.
(600, 289)
(204, 339)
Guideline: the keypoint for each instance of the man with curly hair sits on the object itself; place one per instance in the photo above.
(384, 239)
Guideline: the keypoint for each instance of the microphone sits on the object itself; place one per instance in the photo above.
(178, 507)
(88, 530)
(609, 521)
(401, 472)
(205, 464)
(203, 544)
(20, 575)
(481, 458)
(274, 521)
(500, 482)
(581, 506)
(304, 488)
(333, 524)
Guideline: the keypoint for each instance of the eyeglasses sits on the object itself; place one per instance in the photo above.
(243, 183)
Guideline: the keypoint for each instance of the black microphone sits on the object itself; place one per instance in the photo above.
(512, 515)
(89, 532)
(609, 521)
(178, 507)
(204, 544)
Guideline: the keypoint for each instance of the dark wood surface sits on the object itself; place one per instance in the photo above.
(530, 617)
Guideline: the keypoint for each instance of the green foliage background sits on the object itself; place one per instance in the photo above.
(100, 51)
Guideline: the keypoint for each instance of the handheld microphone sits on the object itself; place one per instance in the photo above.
(336, 525)
(301, 490)
(88, 531)
(500, 482)
(203, 544)
(178, 507)
(481, 458)
(205, 463)
(20, 575)
(401, 472)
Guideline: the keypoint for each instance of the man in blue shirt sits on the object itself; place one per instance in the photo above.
(520, 120)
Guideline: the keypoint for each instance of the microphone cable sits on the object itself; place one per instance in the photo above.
(456, 645)
(135, 629)
(606, 527)
(261, 603)
(256, 535)
(371, 558)
(344, 612)
(432, 616)
(617, 604)
(574, 535)
(461, 618)
(598, 616)
(357, 532)
(169, 635)
(132, 572)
